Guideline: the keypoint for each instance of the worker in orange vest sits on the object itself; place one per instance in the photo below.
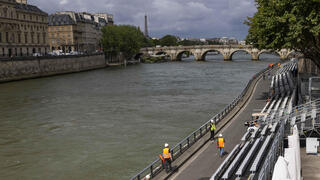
(221, 144)
(167, 157)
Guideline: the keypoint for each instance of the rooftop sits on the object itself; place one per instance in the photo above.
(30, 8)
(60, 19)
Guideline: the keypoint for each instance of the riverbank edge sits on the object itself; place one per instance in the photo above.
(24, 69)
(205, 139)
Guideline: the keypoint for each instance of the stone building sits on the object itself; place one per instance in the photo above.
(107, 17)
(71, 31)
(23, 29)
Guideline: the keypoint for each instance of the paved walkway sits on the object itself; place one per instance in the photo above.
(310, 165)
(203, 163)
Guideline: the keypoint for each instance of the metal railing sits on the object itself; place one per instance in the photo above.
(275, 151)
(155, 167)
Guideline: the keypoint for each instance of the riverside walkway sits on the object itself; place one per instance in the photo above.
(203, 159)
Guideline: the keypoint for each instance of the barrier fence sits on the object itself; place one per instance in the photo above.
(275, 151)
(156, 167)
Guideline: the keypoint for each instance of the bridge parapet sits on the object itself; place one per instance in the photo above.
(200, 51)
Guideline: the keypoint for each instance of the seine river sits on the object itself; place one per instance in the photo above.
(111, 123)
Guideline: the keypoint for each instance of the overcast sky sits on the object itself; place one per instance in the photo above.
(184, 18)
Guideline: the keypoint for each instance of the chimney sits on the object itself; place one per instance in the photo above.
(22, 1)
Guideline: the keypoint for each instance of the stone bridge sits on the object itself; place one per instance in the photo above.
(199, 52)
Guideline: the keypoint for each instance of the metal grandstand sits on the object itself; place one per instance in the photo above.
(254, 157)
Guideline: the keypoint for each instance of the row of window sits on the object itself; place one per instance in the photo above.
(62, 28)
(12, 38)
(24, 27)
(53, 35)
(61, 41)
(6, 13)
(33, 27)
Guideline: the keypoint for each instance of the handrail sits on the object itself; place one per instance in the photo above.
(155, 168)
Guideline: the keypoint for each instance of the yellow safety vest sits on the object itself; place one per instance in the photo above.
(213, 127)
(221, 142)
(166, 153)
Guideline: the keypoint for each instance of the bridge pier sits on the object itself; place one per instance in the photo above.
(254, 56)
(198, 57)
(227, 57)
(173, 57)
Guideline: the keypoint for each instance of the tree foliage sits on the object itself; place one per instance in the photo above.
(123, 38)
(169, 40)
(293, 24)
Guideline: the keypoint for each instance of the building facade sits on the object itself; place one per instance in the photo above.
(107, 17)
(71, 31)
(23, 29)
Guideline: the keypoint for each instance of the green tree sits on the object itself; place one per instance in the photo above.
(169, 40)
(293, 24)
(123, 38)
(186, 42)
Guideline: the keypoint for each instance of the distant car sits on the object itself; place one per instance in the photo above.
(158, 46)
(57, 53)
(36, 54)
(74, 53)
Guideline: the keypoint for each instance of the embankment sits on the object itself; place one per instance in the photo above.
(26, 68)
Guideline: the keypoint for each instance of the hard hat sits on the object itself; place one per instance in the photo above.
(212, 121)
(220, 135)
(147, 177)
(166, 145)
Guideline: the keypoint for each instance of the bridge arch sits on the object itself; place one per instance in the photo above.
(240, 50)
(203, 55)
(161, 52)
(181, 53)
(269, 52)
(291, 53)
(138, 56)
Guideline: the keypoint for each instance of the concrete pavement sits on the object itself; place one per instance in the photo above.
(310, 165)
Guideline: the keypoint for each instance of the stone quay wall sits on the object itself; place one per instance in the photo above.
(19, 69)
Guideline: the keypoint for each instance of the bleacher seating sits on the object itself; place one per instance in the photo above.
(245, 160)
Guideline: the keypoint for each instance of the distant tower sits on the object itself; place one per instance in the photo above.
(146, 33)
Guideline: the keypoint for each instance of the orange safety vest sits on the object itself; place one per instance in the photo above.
(166, 153)
(221, 142)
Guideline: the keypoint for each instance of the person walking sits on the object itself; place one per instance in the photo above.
(212, 129)
(167, 157)
(221, 142)
(148, 177)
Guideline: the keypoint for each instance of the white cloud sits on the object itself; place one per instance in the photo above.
(63, 2)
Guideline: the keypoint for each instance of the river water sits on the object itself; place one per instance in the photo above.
(110, 123)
